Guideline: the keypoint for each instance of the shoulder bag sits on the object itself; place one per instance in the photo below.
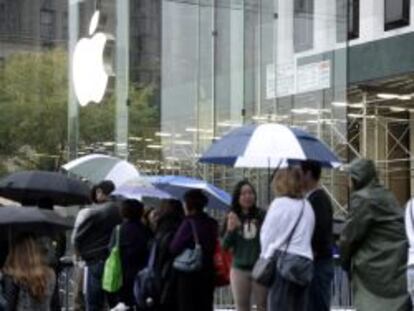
(191, 259)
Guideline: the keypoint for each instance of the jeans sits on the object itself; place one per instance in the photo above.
(410, 283)
(95, 295)
(320, 287)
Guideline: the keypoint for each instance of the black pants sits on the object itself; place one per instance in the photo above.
(287, 296)
(195, 291)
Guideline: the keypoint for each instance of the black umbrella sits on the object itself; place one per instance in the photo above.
(32, 220)
(34, 186)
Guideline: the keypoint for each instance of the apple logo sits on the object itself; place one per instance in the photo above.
(90, 69)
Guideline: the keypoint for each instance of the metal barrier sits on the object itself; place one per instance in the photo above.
(223, 299)
(341, 292)
(66, 281)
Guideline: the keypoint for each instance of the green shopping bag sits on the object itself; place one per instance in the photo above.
(112, 276)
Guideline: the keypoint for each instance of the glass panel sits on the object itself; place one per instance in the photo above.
(348, 17)
(33, 86)
(180, 76)
(303, 25)
(397, 13)
(394, 10)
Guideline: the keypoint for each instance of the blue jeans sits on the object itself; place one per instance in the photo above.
(95, 295)
(320, 287)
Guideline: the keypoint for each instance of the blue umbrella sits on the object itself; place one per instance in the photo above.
(268, 146)
(141, 192)
(177, 186)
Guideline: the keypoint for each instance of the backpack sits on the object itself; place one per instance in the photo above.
(147, 285)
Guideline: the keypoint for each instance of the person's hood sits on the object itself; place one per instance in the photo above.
(363, 173)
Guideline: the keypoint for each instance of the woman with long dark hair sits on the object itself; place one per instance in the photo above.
(134, 239)
(170, 215)
(28, 281)
(242, 238)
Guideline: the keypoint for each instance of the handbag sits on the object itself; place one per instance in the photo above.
(146, 284)
(292, 267)
(222, 265)
(264, 271)
(191, 259)
(112, 275)
(295, 268)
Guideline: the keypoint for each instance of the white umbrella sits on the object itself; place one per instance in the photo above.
(98, 167)
(268, 146)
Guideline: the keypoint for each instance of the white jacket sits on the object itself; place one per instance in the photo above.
(279, 222)
(409, 230)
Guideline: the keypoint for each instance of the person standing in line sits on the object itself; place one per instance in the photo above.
(409, 229)
(92, 238)
(195, 290)
(322, 240)
(170, 216)
(287, 228)
(134, 239)
(79, 269)
(28, 282)
(243, 239)
(373, 245)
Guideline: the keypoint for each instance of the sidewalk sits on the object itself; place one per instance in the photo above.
(334, 309)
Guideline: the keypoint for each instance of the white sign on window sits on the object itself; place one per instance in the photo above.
(285, 79)
(314, 76)
(280, 81)
(288, 79)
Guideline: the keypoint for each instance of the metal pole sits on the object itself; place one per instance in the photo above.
(73, 107)
(122, 77)
(364, 126)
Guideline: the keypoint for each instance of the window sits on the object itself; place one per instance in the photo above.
(65, 26)
(2, 16)
(396, 14)
(303, 25)
(347, 19)
(47, 24)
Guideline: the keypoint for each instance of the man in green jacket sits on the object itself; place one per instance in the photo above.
(373, 245)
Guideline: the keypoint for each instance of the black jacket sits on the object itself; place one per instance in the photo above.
(322, 239)
(164, 259)
(94, 233)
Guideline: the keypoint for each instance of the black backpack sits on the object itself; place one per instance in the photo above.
(147, 285)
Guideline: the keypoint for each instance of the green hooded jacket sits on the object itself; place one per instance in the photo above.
(373, 243)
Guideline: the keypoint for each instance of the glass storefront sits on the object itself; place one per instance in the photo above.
(43, 124)
(229, 63)
(182, 73)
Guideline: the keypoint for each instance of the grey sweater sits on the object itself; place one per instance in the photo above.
(19, 298)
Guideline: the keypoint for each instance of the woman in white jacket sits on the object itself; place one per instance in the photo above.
(409, 229)
(290, 217)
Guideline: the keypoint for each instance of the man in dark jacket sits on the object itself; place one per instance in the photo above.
(92, 238)
(320, 289)
(373, 245)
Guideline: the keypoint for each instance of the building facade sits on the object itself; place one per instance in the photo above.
(317, 64)
(341, 69)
